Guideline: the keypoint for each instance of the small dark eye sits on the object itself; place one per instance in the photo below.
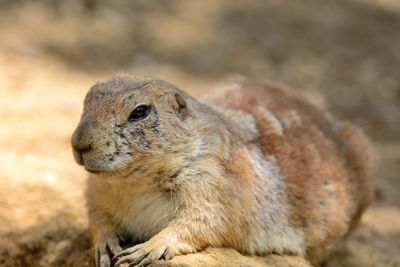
(140, 112)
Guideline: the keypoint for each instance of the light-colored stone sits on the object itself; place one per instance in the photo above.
(222, 257)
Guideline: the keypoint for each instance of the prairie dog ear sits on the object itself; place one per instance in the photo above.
(180, 106)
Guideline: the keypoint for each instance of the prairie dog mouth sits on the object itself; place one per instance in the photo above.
(103, 165)
(94, 166)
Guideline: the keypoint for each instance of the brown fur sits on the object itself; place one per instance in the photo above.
(257, 169)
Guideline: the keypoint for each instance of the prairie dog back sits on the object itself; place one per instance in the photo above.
(325, 163)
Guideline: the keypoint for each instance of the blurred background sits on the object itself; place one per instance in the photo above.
(344, 55)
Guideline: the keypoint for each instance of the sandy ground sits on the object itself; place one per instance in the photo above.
(343, 55)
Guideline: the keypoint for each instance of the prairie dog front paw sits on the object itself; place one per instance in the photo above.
(104, 249)
(146, 253)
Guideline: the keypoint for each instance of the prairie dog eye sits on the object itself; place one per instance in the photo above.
(140, 112)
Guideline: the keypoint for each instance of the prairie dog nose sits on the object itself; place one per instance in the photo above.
(82, 147)
(81, 140)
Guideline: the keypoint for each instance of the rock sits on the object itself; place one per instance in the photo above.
(222, 257)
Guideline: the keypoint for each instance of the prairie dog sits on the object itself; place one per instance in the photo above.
(256, 168)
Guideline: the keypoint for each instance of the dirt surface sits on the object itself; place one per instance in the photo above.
(343, 55)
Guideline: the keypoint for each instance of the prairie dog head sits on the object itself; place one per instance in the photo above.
(133, 128)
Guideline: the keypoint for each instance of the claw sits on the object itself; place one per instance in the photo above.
(96, 257)
(104, 261)
(125, 252)
(145, 262)
(130, 259)
(166, 254)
